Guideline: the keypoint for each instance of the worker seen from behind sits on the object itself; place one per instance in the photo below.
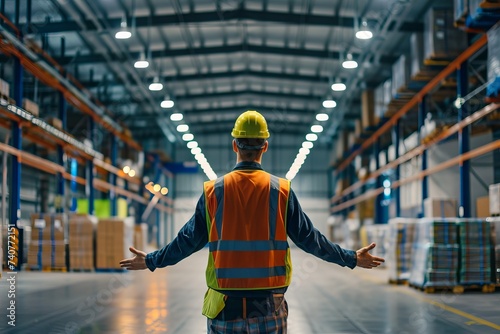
(246, 217)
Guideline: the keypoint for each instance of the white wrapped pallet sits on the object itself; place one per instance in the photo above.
(493, 64)
(494, 194)
(399, 247)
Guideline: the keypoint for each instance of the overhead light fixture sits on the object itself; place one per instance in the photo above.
(304, 150)
(349, 63)
(316, 128)
(192, 144)
(322, 117)
(182, 128)
(123, 33)
(311, 137)
(290, 175)
(307, 144)
(126, 169)
(188, 137)
(164, 191)
(141, 62)
(195, 151)
(199, 155)
(156, 85)
(338, 86)
(329, 104)
(364, 32)
(131, 173)
(157, 187)
(177, 116)
(167, 103)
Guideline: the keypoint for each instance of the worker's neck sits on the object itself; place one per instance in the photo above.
(239, 159)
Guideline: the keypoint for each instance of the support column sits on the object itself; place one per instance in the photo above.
(422, 112)
(464, 144)
(89, 187)
(397, 171)
(15, 167)
(112, 176)
(378, 184)
(60, 156)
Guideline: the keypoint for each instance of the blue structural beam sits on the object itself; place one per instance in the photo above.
(464, 144)
(60, 154)
(15, 169)
(73, 184)
(63, 107)
(422, 112)
(114, 161)
(378, 183)
(397, 171)
(89, 187)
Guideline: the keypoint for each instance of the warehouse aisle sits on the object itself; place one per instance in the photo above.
(324, 298)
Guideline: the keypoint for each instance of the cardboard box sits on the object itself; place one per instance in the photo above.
(31, 107)
(114, 236)
(440, 207)
(494, 192)
(47, 247)
(483, 207)
(55, 122)
(367, 109)
(4, 88)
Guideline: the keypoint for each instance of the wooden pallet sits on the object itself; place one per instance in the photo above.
(47, 269)
(398, 281)
(457, 289)
(110, 270)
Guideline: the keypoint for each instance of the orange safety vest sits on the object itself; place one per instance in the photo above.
(246, 223)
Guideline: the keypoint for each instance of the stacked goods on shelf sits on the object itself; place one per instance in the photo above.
(368, 118)
(461, 10)
(400, 75)
(483, 207)
(435, 253)
(482, 14)
(31, 107)
(494, 195)
(47, 248)
(495, 224)
(81, 229)
(475, 240)
(114, 236)
(493, 63)
(417, 56)
(383, 96)
(440, 207)
(399, 246)
(4, 88)
(378, 234)
(140, 236)
(441, 39)
(351, 233)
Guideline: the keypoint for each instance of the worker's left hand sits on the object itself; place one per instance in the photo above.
(366, 260)
(138, 262)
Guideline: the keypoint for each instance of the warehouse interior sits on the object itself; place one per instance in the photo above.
(384, 114)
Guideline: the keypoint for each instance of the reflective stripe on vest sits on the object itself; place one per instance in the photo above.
(246, 222)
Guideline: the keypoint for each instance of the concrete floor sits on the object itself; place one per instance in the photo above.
(323, 298)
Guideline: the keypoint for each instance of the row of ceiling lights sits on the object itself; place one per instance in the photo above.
(168, 103)
(338, 86)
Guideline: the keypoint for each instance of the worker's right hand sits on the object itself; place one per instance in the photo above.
(365, 260)
(138, 262)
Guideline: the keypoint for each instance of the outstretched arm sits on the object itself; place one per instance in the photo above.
(365, 259)
(138, 262)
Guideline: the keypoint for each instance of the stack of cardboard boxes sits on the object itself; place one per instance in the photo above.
(47, 248)
(114, 236)
(81, 242)
(140, 236)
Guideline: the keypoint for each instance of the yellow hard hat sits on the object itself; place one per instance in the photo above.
(250, 124)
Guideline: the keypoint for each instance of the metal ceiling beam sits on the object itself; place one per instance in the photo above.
(235, 94)
(225, 49)
(236, 15)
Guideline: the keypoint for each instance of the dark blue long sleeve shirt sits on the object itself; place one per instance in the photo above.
(194, 235)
